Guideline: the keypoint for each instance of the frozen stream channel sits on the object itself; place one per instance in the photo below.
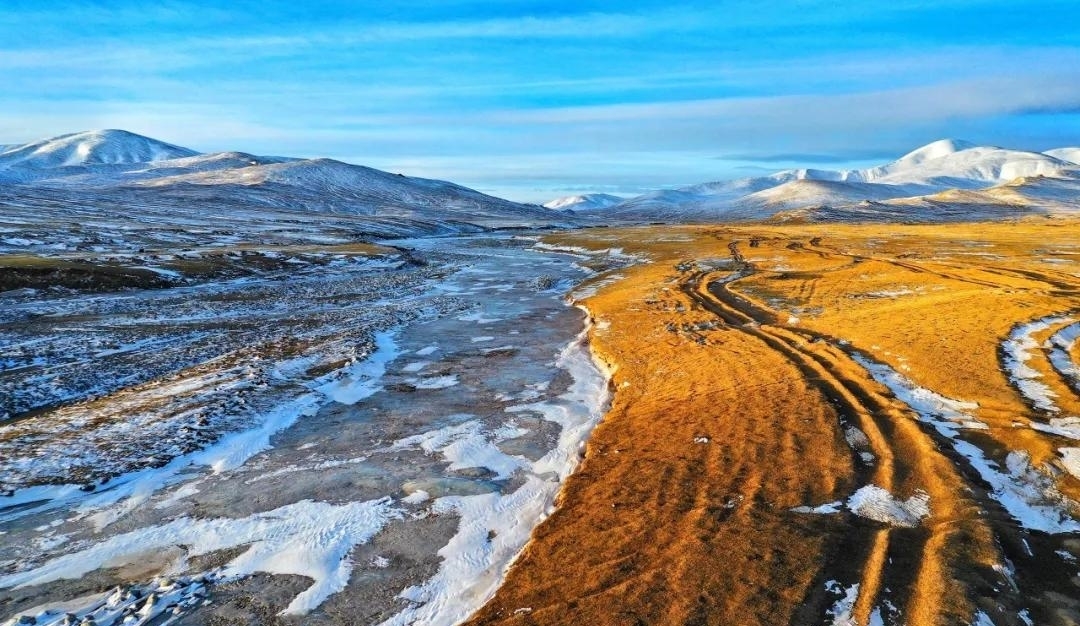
(355, 443)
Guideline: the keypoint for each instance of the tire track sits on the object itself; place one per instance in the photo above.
(913, 267)
(1027, 582)
(655, 532)
(681, 511)
(892, 437)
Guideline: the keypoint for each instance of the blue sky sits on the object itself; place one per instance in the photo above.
(531, 100)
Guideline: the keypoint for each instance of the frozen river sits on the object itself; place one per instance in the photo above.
(359, 442)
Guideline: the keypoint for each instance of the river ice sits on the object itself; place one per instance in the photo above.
(397, 486)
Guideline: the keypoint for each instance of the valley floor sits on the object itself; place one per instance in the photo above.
(829, 424)
(335, 439)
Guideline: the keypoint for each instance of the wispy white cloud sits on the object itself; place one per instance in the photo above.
(188, 51)
(537, 101)
(987, 96)
(667, 142)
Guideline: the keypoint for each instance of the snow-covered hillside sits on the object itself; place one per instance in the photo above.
(1071, 155)
(962, 164)
(115, 174)
(586, 202)
(336, 187)
(89, 148)
(924, 173)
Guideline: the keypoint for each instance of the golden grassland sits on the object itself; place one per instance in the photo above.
(735, 397)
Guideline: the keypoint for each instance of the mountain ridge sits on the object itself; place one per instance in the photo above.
(124, 171)
(930, 169)
(118, 164)
(583, 202)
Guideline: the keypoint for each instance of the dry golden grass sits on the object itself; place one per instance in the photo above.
(659, 526)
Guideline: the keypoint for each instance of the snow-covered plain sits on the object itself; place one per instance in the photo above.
(189, 363)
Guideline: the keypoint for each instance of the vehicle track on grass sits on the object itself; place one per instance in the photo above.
(653, 530)
(866, 548)
(1055, 280)
(1039, 586)
(900, 447)
(677, 533)
(680, 512)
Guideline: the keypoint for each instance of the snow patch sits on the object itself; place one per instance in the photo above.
(435, 382)
(890, 293)
(873, 502)
(1028, 495)
(417, 497)
(494, 528)
(362, 380)
(1070, 458)
(311, 539)
(1018, 351)
(823, 509)
(479, 318)
(124, 606)
(592, 288)
(1061, 426)
(468, 445)
(1061, 344)
(842, 610)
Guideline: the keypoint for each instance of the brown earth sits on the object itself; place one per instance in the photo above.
(40, 273)
(734, 396)
(90, 272)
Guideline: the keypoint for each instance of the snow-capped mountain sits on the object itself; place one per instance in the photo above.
(89, 148)
(585, 202)
(336, 187)
(128, 172)
(1071, 155)
(115, 174)
(961, 164)
(930, 170)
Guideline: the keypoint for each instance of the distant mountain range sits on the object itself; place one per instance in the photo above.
(127, 172)
(92, 181)
(946, 180)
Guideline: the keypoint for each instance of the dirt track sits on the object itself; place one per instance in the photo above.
(738, 400)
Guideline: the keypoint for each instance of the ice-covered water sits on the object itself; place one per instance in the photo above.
(404, 485)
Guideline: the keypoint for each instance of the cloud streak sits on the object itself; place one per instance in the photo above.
(486, 92)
